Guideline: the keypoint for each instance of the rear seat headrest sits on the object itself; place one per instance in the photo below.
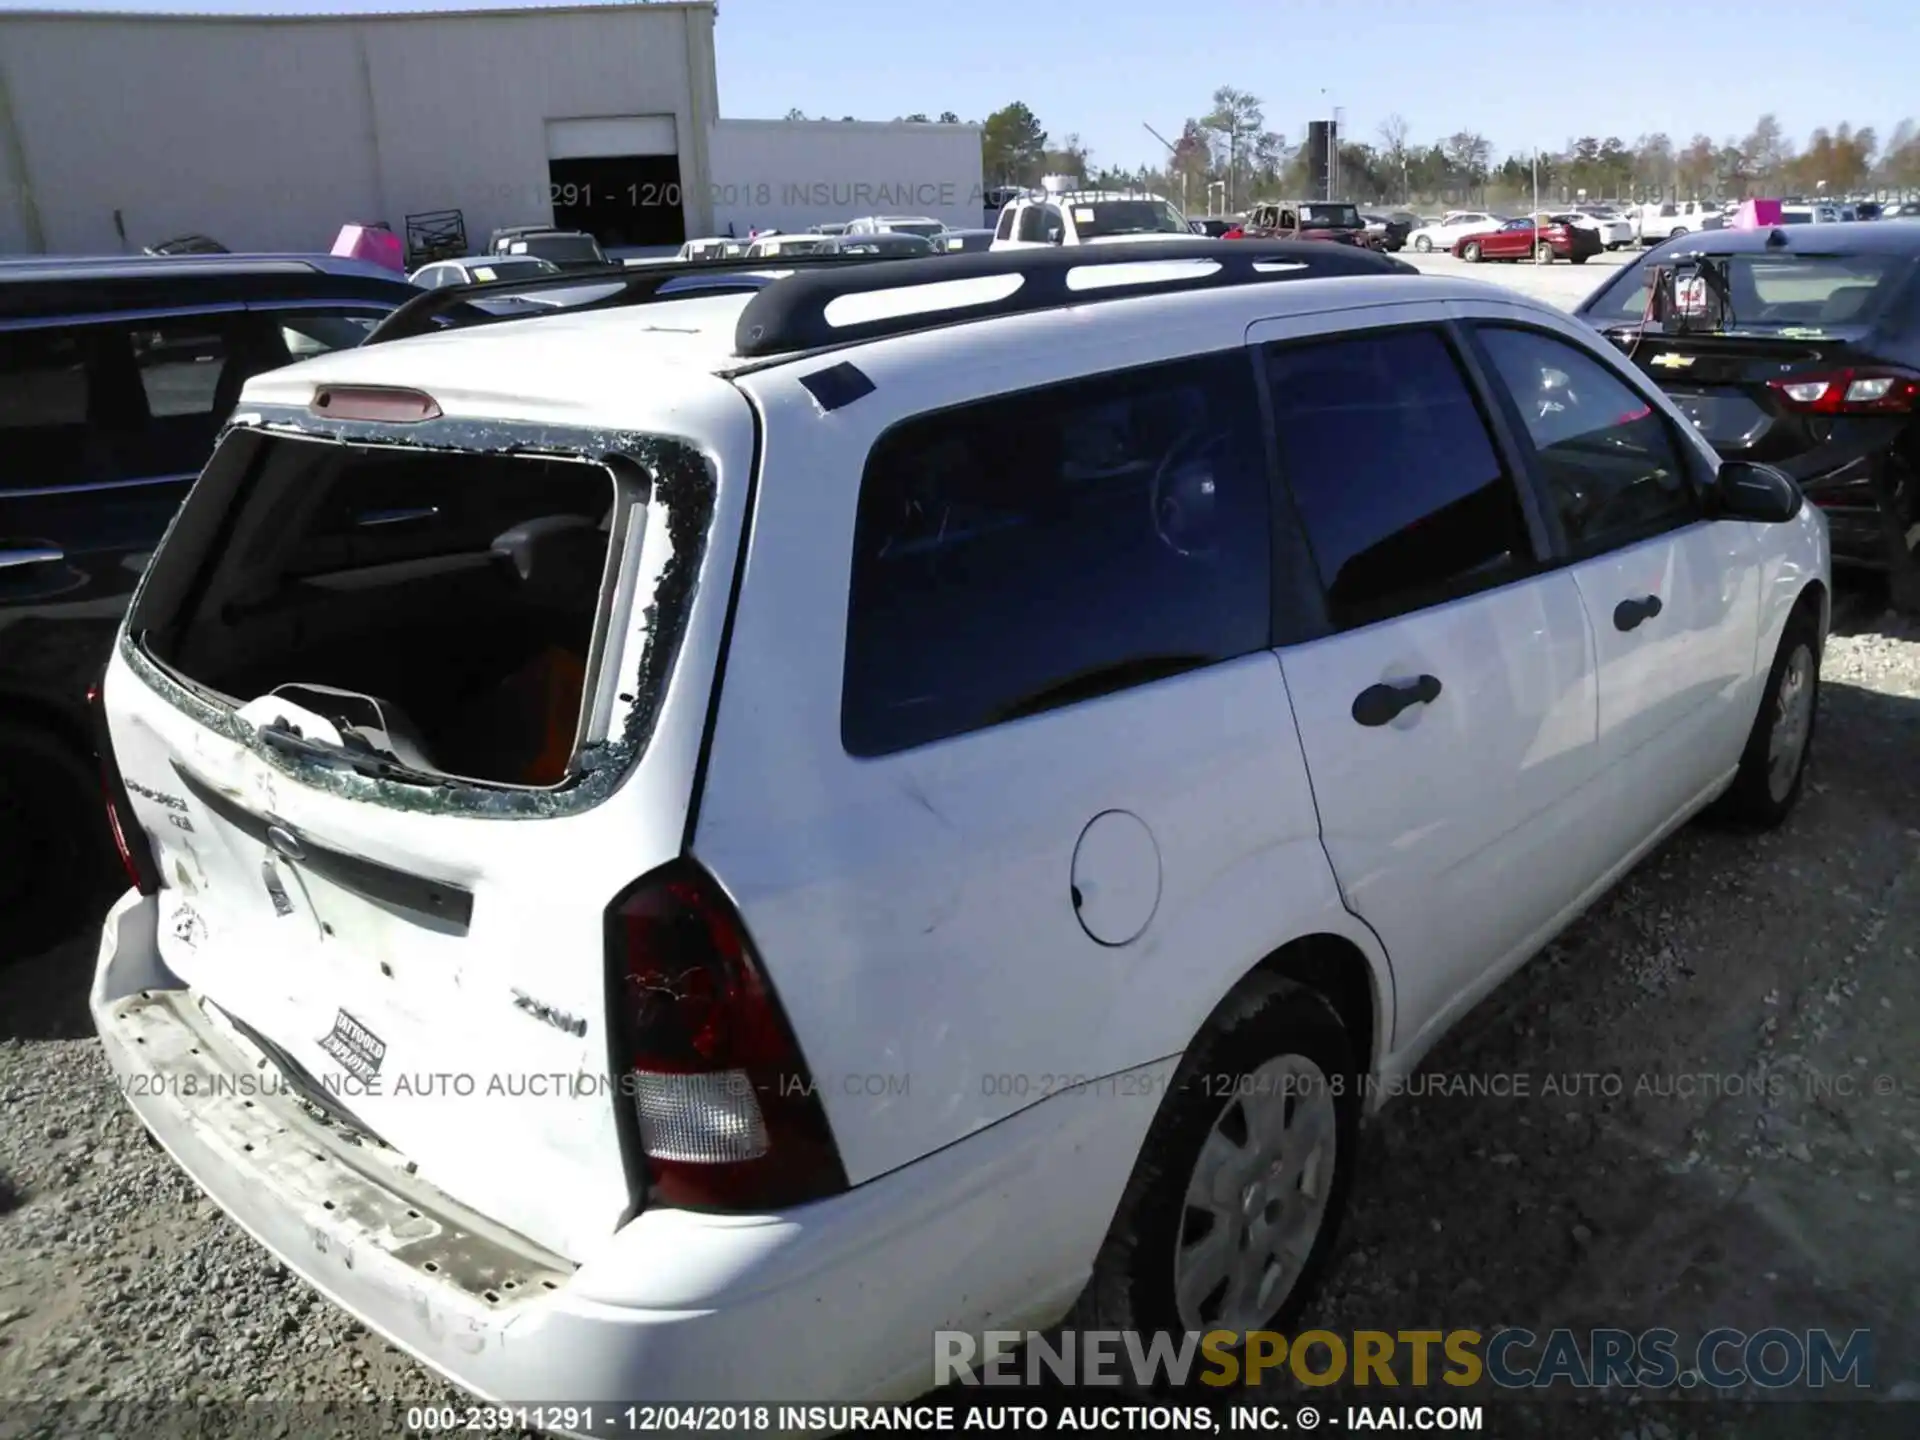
(559, 556)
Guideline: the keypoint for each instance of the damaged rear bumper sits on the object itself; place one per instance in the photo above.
(677, 1307)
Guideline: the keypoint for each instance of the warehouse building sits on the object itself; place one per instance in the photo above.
(271, 132)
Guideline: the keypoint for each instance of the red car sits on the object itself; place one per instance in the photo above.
(1552, 237)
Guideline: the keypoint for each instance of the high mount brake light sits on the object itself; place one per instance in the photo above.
(375, 402)
(136, 854)
(727, 1111)
(1850, 392)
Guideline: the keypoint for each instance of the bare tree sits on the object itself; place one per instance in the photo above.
(1394, 152)
(1237, 122)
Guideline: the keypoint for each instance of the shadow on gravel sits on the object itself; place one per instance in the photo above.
(9, 1197)
(44, 997)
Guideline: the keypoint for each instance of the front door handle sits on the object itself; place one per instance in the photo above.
(1381, 704)
(1631, 614)
(32, 555)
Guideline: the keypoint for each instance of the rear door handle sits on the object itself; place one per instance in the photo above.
(32, 555)
(1631, 614)
(1381, 704)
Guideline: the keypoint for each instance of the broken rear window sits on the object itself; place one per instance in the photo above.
(441, 609)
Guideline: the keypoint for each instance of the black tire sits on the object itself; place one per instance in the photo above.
(1132, 1284)
(1422, 245)
(1470, 253)
(56, 852)
(1758, 799)
(1543, 253)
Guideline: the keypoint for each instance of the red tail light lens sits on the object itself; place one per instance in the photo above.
(1850, 392)
(136, 855)
(727, 1111)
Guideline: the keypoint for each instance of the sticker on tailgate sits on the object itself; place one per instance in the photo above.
(354, 1046)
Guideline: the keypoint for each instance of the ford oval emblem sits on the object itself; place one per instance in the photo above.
(286, 842)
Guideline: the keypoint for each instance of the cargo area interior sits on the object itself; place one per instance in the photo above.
(438, 607)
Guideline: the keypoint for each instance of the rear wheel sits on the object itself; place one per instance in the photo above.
(1422, 244)
(1236, 1200)
(56, 857)
(1543, 252)
(1677, 232)
(1471, 253)
(1773, 767)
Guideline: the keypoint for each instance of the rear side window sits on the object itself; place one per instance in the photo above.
(1398, 483)
(1041, 549)
(180, 364)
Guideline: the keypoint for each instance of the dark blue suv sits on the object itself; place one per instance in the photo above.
(116, 373)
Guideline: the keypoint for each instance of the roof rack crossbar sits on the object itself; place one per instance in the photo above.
(793, 315)
(638, 285)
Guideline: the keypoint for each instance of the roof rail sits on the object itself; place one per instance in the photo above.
(637, 285)
(793, 315)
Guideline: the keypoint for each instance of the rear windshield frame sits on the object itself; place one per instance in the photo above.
(1604, 308)
(668, 475)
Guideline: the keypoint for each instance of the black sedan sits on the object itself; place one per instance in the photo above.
(1798, 348)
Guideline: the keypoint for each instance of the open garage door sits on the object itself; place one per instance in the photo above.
(618, 179)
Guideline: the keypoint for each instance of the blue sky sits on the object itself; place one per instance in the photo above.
(1521, 72)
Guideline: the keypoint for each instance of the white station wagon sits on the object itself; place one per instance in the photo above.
(681, 849)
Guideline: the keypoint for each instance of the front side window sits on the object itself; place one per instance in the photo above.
(1004, 231)
(1610, 465)
(1042, 549)
(1396, 477)
(46, 399)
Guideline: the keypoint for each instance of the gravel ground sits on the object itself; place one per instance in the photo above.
(1664, 1201)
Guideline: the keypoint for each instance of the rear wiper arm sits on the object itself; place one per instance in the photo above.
(371, 763)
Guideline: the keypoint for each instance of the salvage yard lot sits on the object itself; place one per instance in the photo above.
(1705, 1111)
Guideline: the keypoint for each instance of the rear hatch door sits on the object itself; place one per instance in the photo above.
(422, 949)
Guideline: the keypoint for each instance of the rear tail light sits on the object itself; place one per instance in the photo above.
(136, 855)
(1851, 392)
(727, 1113)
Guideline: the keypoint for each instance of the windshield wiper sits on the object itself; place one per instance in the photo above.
(362, 758)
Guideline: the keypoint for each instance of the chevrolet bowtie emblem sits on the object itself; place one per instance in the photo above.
(1673, 362)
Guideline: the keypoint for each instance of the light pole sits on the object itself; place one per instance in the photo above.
(1174, 151)
(1536, 206)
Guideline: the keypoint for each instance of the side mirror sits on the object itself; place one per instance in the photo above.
(1759, 493)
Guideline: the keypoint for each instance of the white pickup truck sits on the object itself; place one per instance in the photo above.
(1660, 220)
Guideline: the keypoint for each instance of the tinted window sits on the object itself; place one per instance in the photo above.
(1102, 218)
(315, 332)
(46, 395)
(1397, 480)
(1041, 549)
(1035, 221)
(43, 380)
(1609, 463)
(180, 365)
(1004, 231)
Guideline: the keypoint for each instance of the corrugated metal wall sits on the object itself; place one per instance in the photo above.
(272, 134)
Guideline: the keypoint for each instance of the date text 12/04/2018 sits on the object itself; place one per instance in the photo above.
(799, 1419)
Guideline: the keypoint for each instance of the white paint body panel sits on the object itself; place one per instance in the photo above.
(915, 912)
